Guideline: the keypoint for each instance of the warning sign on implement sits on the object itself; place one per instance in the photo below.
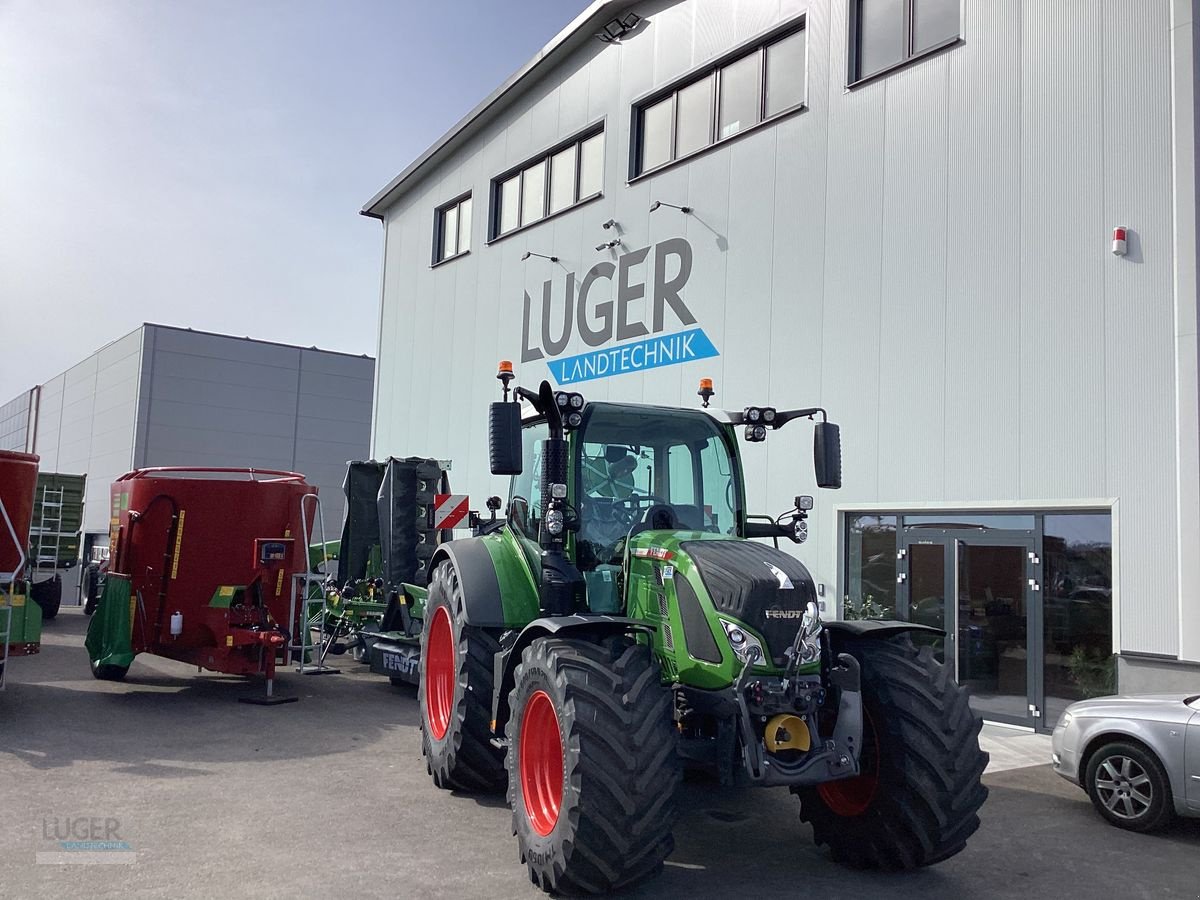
(449, 510)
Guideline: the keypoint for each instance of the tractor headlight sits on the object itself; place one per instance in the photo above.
(756, 433)
(554, 521)
(745, 646)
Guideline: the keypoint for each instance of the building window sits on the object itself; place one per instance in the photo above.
(740, 91)
(552, 182)
(889, 33)
(452, 230)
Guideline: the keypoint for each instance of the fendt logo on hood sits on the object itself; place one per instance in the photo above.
(621, 317)
(785, 583)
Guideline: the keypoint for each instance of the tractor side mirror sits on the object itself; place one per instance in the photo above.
(827, 455)
(504, 438)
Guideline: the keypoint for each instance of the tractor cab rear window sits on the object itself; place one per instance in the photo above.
(674, 465)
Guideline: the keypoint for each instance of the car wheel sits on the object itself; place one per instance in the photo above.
(1128, 787)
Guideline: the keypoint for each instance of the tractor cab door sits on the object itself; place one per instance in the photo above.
(525, 495)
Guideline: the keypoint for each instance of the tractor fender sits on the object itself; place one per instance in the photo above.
(592, 626)
(880, 629)
(482, 603)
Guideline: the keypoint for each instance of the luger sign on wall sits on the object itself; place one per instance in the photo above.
(639, 289)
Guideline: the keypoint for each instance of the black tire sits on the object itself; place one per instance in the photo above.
(918, 799)
(618, 776)
(109, 673)
(48, 596)
(462, 757)
(1129, 788)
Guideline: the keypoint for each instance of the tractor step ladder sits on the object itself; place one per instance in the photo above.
(49, 528)
(300, 616)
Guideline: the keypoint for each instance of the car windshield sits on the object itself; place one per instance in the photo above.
(634, 458)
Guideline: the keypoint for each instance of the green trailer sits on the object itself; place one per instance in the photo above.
(54, 537)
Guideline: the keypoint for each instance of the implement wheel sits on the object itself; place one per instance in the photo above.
(592, 764)
(109, 672)
(455, 692)
(918, 797)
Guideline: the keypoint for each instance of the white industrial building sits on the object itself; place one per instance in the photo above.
(163, 396)
(901, 211)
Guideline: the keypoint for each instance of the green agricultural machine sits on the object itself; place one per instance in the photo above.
(620, 623)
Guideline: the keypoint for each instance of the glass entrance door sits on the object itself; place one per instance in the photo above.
(981, 589)
(994, 652)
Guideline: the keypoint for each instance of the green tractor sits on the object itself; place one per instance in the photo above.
(618, 624)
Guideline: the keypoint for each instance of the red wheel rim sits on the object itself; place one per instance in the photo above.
(541, 761)
(852, 796)
(439, 674)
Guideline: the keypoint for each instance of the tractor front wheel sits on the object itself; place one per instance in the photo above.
(455, 692)
(592, 764)
(917, 799)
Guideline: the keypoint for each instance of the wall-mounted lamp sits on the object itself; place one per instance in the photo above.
(611, 223)
(529, 253)
(618, 28)
(657, 203)
(608, 245)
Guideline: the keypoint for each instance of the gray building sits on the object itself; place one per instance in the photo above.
(903, 212)
(163, 396)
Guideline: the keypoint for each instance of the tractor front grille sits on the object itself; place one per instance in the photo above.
(765, 588)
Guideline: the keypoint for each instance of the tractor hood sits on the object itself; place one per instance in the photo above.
(756, 584)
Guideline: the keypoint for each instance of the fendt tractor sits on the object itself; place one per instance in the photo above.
(620, 623)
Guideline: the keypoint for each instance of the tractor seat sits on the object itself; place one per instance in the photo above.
(689, 516)
(659, 517)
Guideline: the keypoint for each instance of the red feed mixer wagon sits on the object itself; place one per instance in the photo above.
(20, 621)
(202, 570)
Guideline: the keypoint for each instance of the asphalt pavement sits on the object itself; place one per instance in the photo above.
(191, 794)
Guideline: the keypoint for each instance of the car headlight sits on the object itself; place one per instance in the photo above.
(1065, 720)
(745, 646)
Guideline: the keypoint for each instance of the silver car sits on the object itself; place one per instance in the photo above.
(1138, 758)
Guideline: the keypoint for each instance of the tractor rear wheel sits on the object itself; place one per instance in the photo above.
(592, 764)
(455, 692)
(917, 799)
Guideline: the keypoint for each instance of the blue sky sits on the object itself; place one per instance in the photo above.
(202, 162)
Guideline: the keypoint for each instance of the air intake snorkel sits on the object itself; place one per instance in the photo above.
(562, 587)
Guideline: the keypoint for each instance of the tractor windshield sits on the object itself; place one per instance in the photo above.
(676, 464)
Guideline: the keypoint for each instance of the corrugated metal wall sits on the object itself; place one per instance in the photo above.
(212, 400)
(15, 422)
(185, 398)
(86, 422)
(926, 255)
